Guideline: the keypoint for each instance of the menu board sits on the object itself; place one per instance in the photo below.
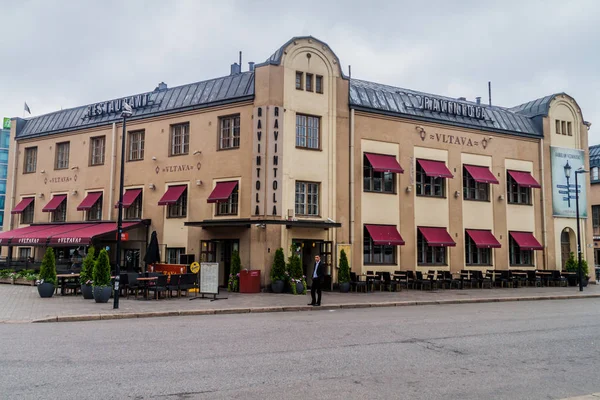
(209, 278)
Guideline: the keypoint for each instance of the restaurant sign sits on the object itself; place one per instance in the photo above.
(115, 106)
(452, 107)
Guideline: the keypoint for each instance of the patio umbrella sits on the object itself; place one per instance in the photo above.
(152, 252)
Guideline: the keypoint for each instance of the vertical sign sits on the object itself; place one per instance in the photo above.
(274, 161)
(564, 164)
(259, 143)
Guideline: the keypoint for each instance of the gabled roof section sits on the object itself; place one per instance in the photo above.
(595, 156)
(213, 92)
(541, 107)
(404, 102)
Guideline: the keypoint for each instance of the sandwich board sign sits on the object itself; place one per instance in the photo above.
(209, 281)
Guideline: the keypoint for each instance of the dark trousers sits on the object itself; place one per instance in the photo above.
(316, 287)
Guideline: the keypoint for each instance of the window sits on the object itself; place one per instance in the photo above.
(307, 131)
(299, 80)
(373, 181)
(179, 208)
(229, 207)
(473, 190)
(475, 256)
(62, 156)
(569, 132)
(134, 211)
(4, 156)
(136, 145)
(309, 82)
(5, 139)
(596, 220)
(518, 256)
(516, 193)
(97, 145)
(229, 132)
(24, 253)
(180, 139)
(595, 173)
(95, 212)
(307, 198)
(60, 214)
(429, 186)
(563, 127)
(319, 84)
(174, 253)
(27, 214)
(558, 131)
(429, 255)
(377, 254)
(30, 160)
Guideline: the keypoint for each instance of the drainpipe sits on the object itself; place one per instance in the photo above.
(351, 167)
(113, 162)
(14, 180)
(543, 199)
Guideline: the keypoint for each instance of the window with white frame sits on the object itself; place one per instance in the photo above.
(475, 256)
(30, 160)
(24, 253)
(174, 254)
(374, 181)
(229, 207)
(519, 257)
(95, 212)
(307, 131)
(60, 214)
(307, 198)
(136, 145)
(134, 211)
(27, 214)
(428, 185)
(517, 194)
(429, 255)
(473, 190)
(97, 145)
(229, 132)
(377, 254)
(62, 155)
(179, 208)
(180, 139)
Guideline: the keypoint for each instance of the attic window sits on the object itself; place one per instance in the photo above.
(299, 76)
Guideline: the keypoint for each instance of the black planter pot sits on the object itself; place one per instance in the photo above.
(572, 280)
(585, 281)
(87, 292)
(102, 293)
(345, 287)
(299, 287)
(277, 286)
(46, 290)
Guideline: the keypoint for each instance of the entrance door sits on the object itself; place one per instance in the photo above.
(565, 247)
(219, 251)
(132, 260)
(307, 250)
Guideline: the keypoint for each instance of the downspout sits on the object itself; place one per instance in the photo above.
(113, 162)
(351, 168)
(14, 181)
(543, 199)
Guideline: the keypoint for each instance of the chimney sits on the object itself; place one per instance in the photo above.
(251, 66)
(235, 69)
(161, 86)
(462, 98)
(478, 100)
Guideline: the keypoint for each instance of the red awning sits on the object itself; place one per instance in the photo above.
(435, 169)
(481, 174)
(89, 201)
(22, 205)
(437, 237)
(384, 163)
(385, 235)
(8, 236)
(526, 241)
(54, 203)
(40, 237)
(86, 234)
(483, 239)
(221, 192)
(129, 197)
(524, 179)
(172, 194)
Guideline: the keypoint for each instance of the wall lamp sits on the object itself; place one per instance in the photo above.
(43, 171)
(74, 192)
(198, 182)
(457, 194)
(153, 158)
(501, 197)
(41, 195)
(197, 152)
(151, 186)
(408, 189)
(75, 167)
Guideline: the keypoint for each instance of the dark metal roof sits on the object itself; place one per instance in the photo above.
(538, 107)
(594, 155)
(203, 94)
(405, 102)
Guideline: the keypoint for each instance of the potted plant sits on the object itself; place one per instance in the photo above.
(24, 277)
(572, 266)
(85, 276)
(278, 272)
(344, 273)
(294, 270)
(233, 285)
(47, 280)
(7, 276)
(102, 288)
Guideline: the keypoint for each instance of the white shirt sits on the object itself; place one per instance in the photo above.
(315, 273)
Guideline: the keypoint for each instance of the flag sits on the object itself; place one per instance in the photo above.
(27, 108)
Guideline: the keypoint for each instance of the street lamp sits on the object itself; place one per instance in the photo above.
(126, 113)
(579, 171)
(567, 168)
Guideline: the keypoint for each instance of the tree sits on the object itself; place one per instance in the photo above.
(87, 267)
(344, 270)
(294, 265)
(278, 269)
(572, 266)
(48, 267)
(101, 273)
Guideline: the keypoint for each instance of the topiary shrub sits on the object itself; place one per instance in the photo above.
(233, 285)
(294, 271)
(48, 267)
(278, 269)
(87, 268)
(344, 270)
(101, 272)
(571, 265)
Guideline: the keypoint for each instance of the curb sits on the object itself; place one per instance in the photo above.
(224, 311)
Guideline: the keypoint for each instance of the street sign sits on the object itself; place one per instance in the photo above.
(195, 267)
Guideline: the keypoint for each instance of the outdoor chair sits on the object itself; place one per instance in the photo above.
(187, 282)
(123, 282)
(402, 278)
(173, 285)
(481, 280)
(73, 285)
(356, 283)
(132, 284)
(374, 281)
(159, 286)
(421, 281)
(558, 279)
(411, 279)
(533, 279)
(519, 280)
(467, 276)
(387, 282)
(506, 279)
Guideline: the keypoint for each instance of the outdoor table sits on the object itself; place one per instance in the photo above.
(369, 278)
(145, 282)
(62, 279)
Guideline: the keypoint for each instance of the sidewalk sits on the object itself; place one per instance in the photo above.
(23, 304)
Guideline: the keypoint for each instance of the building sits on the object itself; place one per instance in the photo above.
(594, 155)
(4, 144)
(294, 153)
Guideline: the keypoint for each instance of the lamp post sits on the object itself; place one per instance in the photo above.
(567, 168)
(126, 113)
(579, 274)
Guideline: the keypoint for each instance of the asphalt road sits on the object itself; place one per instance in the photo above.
(516, 350)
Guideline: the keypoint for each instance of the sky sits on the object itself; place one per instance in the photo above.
(63, 53)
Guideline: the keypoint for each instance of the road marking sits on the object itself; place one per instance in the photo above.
(593, 396)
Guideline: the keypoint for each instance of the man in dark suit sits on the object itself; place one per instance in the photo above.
(318, 274)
